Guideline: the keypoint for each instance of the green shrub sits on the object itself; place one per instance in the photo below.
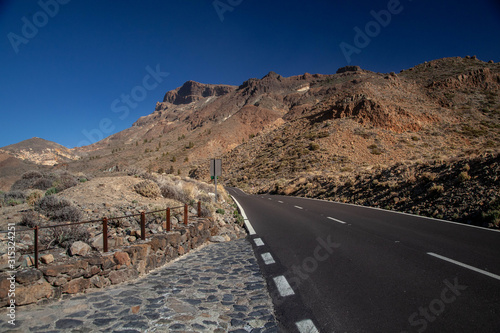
(14, 202)
(33, 197)
(463, 176)
(375, 150)
(51, 203)
(148, 189)
(30, 219)
(68, 213)
(58, 209)
(65, 236)
(239, 218)
(220, 211)
(33, 174)
(313, 146)
(492, 214)
(42, 184)
(435, 189)
(428, 176)
(51, 191)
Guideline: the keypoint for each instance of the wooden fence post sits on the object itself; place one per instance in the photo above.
(143, 226)
(105, 234)
(168, 219)
(185, 214)
(36, 247)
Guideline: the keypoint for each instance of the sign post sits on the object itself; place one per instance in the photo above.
(215, 172)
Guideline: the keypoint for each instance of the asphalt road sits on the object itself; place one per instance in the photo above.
(334, 267)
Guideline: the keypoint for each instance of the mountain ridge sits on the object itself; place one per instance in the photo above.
(324, 123)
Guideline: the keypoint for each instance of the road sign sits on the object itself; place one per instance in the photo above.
(215, 172)
(215, 168)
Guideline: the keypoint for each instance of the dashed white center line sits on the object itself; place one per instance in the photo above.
(306, 326)
(280, 201)
(269, 198)
(283, 286)
(339, 221)
(258, 241)
(268, 258)
(472, 268)
(298, 207)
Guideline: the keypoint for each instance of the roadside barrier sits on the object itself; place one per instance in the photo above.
(105, 221)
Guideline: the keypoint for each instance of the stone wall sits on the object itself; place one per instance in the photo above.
(81, 273)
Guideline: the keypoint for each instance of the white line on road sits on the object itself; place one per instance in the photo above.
(472, 268)
(258, 242)
(248, 225)
(280, 201)
(331, 218)
(268, 258)
(283, 286)
(306, 326)
(403, 213)
(298, 207)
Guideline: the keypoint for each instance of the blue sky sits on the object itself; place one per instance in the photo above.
(74, 71)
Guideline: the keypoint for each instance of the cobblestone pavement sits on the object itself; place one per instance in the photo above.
(218, 288)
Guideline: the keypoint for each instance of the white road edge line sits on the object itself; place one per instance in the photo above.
(402, 213)
(258, 242)
(306, 326)
(283, 286)
(248, 225)
(268, 258)
(331, 218)
(298, 207)
(472, 268)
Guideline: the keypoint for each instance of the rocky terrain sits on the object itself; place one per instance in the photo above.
(78, 198)
(315, 131)
(40, 151)
(463, 190)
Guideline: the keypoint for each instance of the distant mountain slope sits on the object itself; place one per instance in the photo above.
(40, 151)
(274, 129)
(11, 168)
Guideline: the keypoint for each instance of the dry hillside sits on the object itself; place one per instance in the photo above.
(275, 130)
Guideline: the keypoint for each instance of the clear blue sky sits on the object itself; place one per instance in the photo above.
(66, 70)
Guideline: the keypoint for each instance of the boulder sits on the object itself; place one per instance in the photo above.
(76, 286)
(99, 281)
(122, 258)
(79, 249)
(27, 261)
(32, 293)
(97, 242)
(47, 259)
(120, 276)
(218, 239)
(28, 275)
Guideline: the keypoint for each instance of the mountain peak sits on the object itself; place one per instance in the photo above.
(192, 91)
(272, 75)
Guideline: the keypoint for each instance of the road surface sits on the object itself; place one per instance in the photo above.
(335, 267)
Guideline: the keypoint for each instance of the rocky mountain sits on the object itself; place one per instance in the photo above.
(275, 131)
(31, 154)
(40, 151)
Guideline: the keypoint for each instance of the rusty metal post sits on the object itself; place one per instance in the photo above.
(105, 234)
(168, 219)
(36, 247)
(199, 208)
(185, 214)
(143, 226)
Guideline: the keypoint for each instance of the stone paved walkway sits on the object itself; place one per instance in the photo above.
(218, 288)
